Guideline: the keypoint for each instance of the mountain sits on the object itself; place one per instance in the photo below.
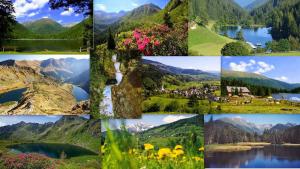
(138, 127)
(243, 125)
(68, 129)
(280, 127)
(177, 71)
(82, 80)
(257, 79)
(44, 26)
(244, 3)
(256, 4)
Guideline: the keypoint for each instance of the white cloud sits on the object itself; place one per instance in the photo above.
(173, 118)
(100, 7)
(33, 14)
(59, 21)
(69, 12)
(2, 124)
(45, 17)
(77, 14)
(134, 4)
(282, 78)
(254, 66)
(23, 7)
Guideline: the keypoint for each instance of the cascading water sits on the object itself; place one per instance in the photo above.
(106, 106)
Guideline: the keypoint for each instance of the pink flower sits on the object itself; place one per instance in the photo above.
(147, 40)
(127, 42)
(142, 47)
(156, 43)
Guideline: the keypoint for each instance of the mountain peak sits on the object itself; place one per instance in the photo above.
(44, 26)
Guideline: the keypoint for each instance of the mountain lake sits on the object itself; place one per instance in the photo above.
(30, 45)
(13, 95)
(80, 94)
(268, 157)
(257, 36)
(287, 96)
(52, 150)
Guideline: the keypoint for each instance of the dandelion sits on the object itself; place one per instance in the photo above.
(201, 148)
(177, 147)
(164, 152)
(198, 158)
(148, 147)
(178, 152)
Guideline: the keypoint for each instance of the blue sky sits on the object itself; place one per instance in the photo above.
(40, 57)
(260, 118)
(205, 63)
(151, 119)
(281, 68)
(30, 10)
(244, 3)
(9, 120)
(124, 5)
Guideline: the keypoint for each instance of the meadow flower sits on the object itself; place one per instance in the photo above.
(177, 147)
(164, 152)
(148, 147)
(178, 152)
(198, 158)
(201, 149)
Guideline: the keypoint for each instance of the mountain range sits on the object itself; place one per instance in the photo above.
(47, 28)
(68, 129)
(75, 71)
(257, 79)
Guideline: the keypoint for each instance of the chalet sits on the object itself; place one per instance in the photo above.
(241, 91)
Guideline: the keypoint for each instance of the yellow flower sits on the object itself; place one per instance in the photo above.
(178, 152)
(148, 147)
(177, 147)
(201, 149)
(198, 158)
(164, 152)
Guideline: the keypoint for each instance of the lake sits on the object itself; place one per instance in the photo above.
(51, 150)
(267, 157)
(253, 35)
(287, 96)
(80, 94)
(44, 45)
(13, 95)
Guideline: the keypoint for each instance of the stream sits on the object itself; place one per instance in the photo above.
(106, 106)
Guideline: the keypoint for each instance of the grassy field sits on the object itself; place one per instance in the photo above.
(259, 106)
(205, 42)
(291, 53)
(234, 147)
(44, 53)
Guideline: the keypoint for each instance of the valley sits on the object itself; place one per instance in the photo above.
(243, 141)
(38, 87)
(67, 142)
(253, 24)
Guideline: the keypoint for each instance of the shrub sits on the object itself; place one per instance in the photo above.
(235, 49)
(173, 106)
(155, 107)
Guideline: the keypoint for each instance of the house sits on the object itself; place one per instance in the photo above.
(241, 91)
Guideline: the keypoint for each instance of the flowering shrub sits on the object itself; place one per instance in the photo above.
(28, 161)
(157, 40)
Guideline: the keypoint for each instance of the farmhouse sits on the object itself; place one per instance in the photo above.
(241, 91)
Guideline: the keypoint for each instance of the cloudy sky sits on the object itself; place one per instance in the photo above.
(40, 57)
(200, 63)
(30, 10)
(150, 119)
(124, 5)
(9, 120)
(260, 118)
(281, 68)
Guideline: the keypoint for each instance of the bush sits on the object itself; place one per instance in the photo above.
(173, 106)
(155, 107)
(282, 45)
(235, 49)
(28, 161)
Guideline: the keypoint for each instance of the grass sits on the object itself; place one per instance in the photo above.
(44, 52)
(259, 105)
(243, 146)
(205, 42)
(291, 53)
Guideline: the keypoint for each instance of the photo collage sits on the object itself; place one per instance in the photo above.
(148, 84)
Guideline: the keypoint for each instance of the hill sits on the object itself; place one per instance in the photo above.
(44, 26)
(255, 4)
(256, 79)
(68, 129)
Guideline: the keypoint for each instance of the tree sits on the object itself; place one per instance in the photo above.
(240, 35)
(193, 101)
(80, 6)
(235, 49)
(111, 45)
(167, 20)
(6, 18)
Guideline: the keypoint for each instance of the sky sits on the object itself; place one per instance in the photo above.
(40, 57)
(9, 120)
(30, 10)
(261, 118)
(124, 5)
(210, 64)
(151, 119)
(281, 68)
(244, 3)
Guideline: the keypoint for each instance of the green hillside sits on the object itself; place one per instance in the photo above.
(205, 42)
(44, 26)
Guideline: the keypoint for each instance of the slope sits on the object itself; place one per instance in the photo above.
(44, 26)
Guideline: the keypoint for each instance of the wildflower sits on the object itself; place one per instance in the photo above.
(164, 152)
(198, 158)
(178, 152)
(148, 147)
(201, 149)
(177, 147)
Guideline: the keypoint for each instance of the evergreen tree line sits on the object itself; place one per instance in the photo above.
(256, 90)
(218, 132)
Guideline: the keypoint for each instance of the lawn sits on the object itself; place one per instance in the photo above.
(259, 105)
(205, 42)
